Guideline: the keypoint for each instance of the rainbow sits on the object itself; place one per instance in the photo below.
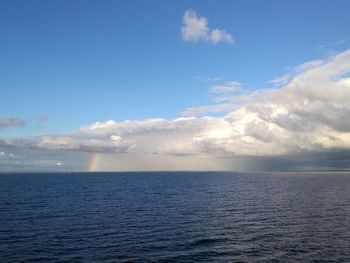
(93, 163)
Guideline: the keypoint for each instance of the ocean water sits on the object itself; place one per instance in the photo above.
(175, 217)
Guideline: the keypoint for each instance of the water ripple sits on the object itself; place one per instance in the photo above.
(174, 217)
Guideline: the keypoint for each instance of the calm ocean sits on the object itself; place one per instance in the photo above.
(175, 217)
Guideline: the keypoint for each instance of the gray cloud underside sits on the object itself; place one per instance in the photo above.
(310, 114)
(11, 122)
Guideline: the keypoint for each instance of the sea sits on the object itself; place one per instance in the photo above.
(175, 217)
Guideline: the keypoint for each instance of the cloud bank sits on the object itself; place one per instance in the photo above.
(195, 28)
(308, 116)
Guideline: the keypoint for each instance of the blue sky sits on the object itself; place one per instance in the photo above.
(78, 62)
(68, 64)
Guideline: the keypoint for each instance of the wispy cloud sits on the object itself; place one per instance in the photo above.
(42, 118)
(195, 28)
(209, 109)
(226, 87)
(208, 79)
(293, 71)
(281, 80)
(332, 44)
(227, 97)
(41, 121)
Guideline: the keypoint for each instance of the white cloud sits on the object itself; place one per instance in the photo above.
(310, 114)
(218, 35)
(195, 28)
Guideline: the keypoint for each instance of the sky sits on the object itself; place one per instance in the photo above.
(181, 85)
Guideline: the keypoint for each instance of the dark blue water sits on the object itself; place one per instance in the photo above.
(174, 217)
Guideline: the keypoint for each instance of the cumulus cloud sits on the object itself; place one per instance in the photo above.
(11, 122)
(195, 28)
(308, 115)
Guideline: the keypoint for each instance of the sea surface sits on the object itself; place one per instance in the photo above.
(175, 217)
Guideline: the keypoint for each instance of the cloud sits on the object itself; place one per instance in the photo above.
(11, 122)
(225, 94)
(332, 44)
(203, 110)
(292, 71)
(310, 113)
(228, 96)
(218, 35)
(300, 123)
(282, 80)
(226, 87)
(153, 136)
(208, 79)
(7, 155)
(72, 141)
(42, 119)
(195, 28)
